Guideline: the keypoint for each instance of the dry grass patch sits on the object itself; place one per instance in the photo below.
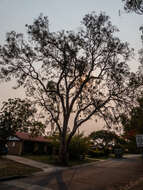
(11, 168)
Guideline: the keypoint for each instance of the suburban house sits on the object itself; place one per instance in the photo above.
(24, 143)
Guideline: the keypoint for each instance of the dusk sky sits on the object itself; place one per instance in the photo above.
(65, 14)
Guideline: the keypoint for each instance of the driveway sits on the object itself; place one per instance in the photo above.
(105, 175)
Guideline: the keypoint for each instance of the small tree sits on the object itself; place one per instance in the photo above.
(72, 76)
(18, 115)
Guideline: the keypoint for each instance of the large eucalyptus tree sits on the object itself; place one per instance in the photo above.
(73, 76)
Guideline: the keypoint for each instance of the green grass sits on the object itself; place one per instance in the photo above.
(80, 162)
(11, 168)
(41, 158)
(54, 161)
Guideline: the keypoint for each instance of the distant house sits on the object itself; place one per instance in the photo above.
(24, 143)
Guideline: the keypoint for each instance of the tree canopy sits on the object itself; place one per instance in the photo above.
(18, 115)
(134, 5)
(104, 138)
(73, 76)
(133, 123)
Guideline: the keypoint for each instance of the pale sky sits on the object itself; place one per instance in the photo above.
(64, 14)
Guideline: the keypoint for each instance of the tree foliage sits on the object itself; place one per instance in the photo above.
(104, 138)
(79, 147)
(133, 123)
(73, 76)
(18, 115)
(134, 5)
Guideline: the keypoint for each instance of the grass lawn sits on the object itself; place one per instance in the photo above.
(79, 162)
(49, 160)
(42, 158)
(10, 168)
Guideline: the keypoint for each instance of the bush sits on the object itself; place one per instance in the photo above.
(78, 147)
(132, 147)
(96, 153)
(54, 145)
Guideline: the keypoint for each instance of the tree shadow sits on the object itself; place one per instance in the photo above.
(59, 181)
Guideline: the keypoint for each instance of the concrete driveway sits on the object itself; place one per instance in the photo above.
(106, 175)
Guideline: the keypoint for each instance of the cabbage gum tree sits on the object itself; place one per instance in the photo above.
(73, 76)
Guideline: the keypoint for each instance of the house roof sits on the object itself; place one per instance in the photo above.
(28, 137)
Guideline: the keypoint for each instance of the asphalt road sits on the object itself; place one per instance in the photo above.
(113, 174)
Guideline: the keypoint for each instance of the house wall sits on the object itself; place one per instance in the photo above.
(15, 147)
(19, 147)
(34, 147)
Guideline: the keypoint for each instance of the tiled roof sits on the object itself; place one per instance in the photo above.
(28, 137)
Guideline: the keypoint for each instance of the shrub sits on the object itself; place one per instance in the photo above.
(78, 147)
(131, 147)
(96, 153)
(55, 144)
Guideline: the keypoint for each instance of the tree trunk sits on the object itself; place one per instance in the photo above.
(63, 153)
